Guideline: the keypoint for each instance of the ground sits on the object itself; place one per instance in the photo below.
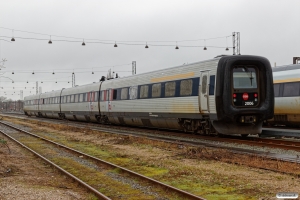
(178, 165)
(24, 176)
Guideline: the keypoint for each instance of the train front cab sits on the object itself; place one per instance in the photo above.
(244, 94)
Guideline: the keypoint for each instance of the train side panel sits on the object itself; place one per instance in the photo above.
(80, 103)
(50, 104)
(31, 105)
(167, 108)
(287, 95)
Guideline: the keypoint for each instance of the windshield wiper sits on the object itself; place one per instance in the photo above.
(247, 71)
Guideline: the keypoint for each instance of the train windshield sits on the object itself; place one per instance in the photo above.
(244, 77)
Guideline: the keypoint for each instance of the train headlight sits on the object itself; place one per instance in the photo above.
(242, 119)
(255, 95)
(234, 97)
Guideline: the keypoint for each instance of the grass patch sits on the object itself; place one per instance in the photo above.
(211, 173)
(109, 187)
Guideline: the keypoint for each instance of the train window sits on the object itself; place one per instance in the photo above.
(133, 92)
(88, 96)
(291, 89)
(115, 94)
(144, 91)
(76, 98)
(204, 84)
(244, 77)
(276, 90)
(72, 98)
(170, 89)
(85, 97)
(95, 96)
(102, 95)
(156, 90)
(212, 85)
(124, 93)
(92, 96)
(186, 87)
(80, 98)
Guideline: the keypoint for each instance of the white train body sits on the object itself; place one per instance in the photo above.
(287, 95)
(203, 96)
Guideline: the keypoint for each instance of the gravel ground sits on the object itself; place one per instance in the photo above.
(21, 190)
(23, 176)
(279, 181)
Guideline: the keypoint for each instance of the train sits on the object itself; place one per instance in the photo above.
(287, 95)
(227, 95)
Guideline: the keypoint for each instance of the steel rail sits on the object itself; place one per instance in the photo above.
(179, 191)
(93, 190)
(181, 141)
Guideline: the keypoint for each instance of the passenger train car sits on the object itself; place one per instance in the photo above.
(227, 94)
(287, 95)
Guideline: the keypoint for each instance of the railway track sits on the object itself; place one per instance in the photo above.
(196, 140)
(88, 158)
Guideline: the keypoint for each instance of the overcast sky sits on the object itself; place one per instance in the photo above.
(268, 28)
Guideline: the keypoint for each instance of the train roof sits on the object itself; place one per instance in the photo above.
(286, 67)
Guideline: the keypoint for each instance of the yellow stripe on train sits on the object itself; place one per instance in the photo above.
(173, 77)
(287, 80)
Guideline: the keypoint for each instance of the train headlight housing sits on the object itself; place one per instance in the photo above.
(234, 97)
(242, 119)
(255, 95)
(248, 119)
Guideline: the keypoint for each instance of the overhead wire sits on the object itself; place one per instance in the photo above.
(124, 42)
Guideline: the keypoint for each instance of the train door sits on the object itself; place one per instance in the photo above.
(203, 91)
(91, 101)
(110, 98)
